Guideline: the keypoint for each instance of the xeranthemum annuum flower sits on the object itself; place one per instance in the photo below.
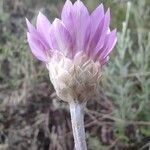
(74, 49)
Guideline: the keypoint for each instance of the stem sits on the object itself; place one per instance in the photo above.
(77, 119)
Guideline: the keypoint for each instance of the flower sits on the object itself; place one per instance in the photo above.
(74, 49)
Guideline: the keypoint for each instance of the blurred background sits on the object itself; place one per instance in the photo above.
(31, 115)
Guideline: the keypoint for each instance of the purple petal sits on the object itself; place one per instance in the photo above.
(66, 15)
(34, 32)
(104, 29)
(31, 28)
(109, 44)
(96, 18)
(36, 47)
(98, 37)
(81, 20)
(43, 26)
(95, 39)
(60, 38)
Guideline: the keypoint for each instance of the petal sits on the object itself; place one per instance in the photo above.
(109, 44)
(81, 20)
(34, 32)
(43, 23)
(98, 38)
(43, 26)
(36, 47)
(66, 15)
(96, 18)
(31, 28)
(60, 38)
(66, 10)
(104, 28)
(67, 18)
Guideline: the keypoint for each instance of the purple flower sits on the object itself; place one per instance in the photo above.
(74, 49)
(76, 32)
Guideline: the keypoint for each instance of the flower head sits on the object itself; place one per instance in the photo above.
(74, 48)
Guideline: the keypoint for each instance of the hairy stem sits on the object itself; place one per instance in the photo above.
(77, 119)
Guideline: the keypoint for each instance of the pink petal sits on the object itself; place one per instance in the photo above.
(36, 47)
(43, 26)
(60, 38)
